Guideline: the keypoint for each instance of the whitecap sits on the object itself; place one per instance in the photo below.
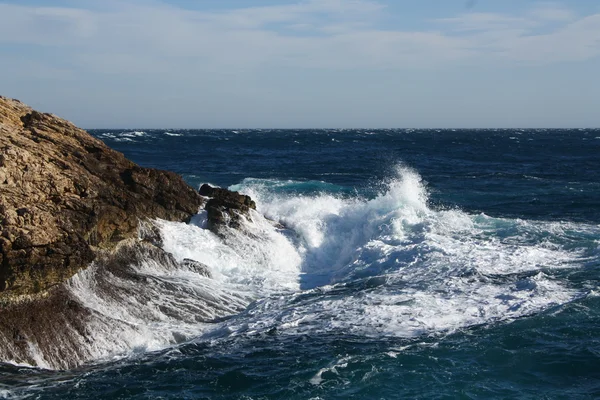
(428, 271)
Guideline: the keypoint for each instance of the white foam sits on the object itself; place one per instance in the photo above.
(332, 232)
(131, 134)
(407, 312)
(439, 271)
(317, 379)
(260, 259)
(6, 394)
(166, 308)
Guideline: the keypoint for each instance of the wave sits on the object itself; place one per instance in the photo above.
(394, 266)
(124, 136)
(321, 262)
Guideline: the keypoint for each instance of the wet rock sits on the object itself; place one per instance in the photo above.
(57, 328)
(225, 208)
(149, 232)
(64, 195)
(196, 266)
(55, 315)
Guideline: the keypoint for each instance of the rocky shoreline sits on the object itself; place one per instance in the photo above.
(67, 201)
(65, 194)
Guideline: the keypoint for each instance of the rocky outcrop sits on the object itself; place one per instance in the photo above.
(65, 196)
(225, 208)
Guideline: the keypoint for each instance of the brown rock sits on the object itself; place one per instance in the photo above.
(64, 194)
(225, 208)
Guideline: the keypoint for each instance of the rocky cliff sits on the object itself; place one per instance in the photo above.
(65, 196)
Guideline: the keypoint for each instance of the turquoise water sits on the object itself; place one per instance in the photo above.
(413, 264)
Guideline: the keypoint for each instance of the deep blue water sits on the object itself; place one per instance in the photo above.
(433, 264)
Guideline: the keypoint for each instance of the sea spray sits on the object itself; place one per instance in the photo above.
(139, 298)
(323, 263)
(392, 265)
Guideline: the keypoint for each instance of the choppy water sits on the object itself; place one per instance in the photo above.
(415, 264)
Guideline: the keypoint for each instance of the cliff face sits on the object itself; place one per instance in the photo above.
(64, 195)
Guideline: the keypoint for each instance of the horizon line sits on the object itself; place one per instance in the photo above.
(340, 129)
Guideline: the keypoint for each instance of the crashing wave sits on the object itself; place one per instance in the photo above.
(387, 266)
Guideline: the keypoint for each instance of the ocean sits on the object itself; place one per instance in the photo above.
(406, 264)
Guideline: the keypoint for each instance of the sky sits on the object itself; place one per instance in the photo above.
(305, 63)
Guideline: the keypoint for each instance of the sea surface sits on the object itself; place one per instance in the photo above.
(409, 264)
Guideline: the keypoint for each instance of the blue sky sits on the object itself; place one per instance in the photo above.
(305, 63)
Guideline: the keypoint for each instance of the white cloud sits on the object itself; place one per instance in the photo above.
(535, 38)
(127, 37)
